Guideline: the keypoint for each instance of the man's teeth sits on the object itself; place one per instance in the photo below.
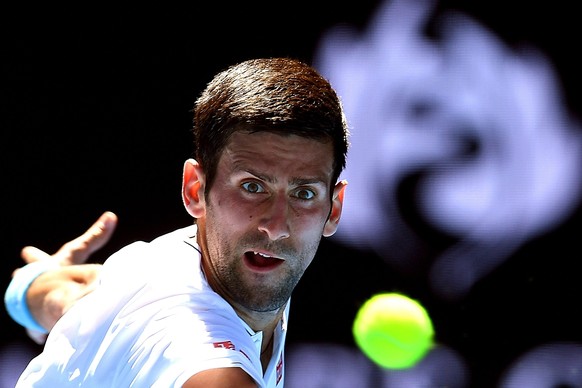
(262, 254)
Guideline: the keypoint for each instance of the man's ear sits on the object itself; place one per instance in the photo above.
(337, 203)
(193, 183)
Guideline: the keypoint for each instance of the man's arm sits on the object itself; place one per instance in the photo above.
(221, 377)
(44, 289)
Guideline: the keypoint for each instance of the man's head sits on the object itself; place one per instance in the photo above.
(276, 95)
(271, 142)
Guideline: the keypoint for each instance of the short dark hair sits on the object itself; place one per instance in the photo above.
(280, 95)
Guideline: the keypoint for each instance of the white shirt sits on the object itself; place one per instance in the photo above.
(153, 321)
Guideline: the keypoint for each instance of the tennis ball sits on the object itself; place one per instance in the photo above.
(393, 330)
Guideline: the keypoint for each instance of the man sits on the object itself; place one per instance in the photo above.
(207, 305)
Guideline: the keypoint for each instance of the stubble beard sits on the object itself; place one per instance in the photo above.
(260, 297)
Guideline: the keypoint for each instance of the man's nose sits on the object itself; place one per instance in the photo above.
(275, 220)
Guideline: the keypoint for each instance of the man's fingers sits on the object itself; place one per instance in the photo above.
(100, 232)
(78, 250)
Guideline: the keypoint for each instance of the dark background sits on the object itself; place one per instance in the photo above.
(95, 115)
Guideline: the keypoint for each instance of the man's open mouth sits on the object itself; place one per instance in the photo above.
(261, 261)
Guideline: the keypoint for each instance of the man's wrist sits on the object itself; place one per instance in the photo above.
(15, 297)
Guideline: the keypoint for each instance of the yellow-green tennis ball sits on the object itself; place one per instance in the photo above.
(393, 330)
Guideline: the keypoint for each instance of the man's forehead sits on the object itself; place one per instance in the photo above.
(269, 149)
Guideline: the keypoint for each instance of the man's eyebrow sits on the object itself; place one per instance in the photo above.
(296, 181)
(260, 176)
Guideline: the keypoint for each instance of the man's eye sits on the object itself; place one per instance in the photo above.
(305, 194)
(253, 187)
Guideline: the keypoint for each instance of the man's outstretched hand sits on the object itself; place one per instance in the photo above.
(53, 292)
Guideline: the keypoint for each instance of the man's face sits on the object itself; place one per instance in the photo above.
(265, 215)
